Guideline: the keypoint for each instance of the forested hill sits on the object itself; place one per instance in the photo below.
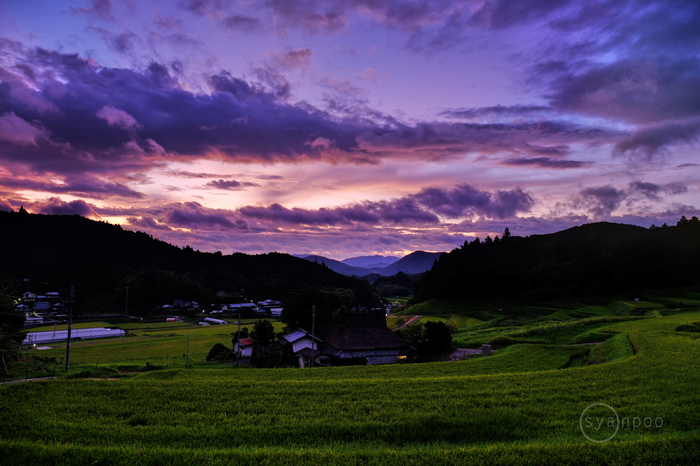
(101, 260)
(591, 260)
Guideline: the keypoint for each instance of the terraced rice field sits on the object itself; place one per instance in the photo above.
(522, 406)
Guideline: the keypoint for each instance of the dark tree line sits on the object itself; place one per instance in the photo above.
(591, 260)
(11, 323)
(101, 260)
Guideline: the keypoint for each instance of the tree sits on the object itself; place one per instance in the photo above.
(244, 334)
(299, 304)
(263, 332)
(430, 339)
(11, 324)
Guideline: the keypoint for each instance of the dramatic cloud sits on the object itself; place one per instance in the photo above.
(378, 126)
(55, 206)
(192, 215)
(497, 111)
(90, 187)
(545, 162)
(149, 113)
(15, 130)
(116, 117)
(5, 207)
(422, 208)
(648, 142)
(231, 185)
(653, 191)
(466, 200)
(601, 201)
(147, 223)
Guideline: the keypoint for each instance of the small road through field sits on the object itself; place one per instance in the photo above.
(410, 321)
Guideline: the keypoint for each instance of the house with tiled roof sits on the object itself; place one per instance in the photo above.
(359, 337)
(244, 347)
(305, 347)
(362, 337)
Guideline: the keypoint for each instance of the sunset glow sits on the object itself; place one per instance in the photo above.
(350, 127)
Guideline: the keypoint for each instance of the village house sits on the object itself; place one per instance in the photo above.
(305, 348)
(361, 337)
(244, 347)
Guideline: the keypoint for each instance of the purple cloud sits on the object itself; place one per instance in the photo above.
(648, 142)
(419, 209)
(545, 162)
(497, 111)
(147, 223)
(147, 115)
(601, 200)
(231, 185)
(55, 206)
(653, 191)
(202, 7)
(5, 207)
(465, 200)
(242, 23)
(193, 215)
(87, 186)
(122, 43)
(101, 9)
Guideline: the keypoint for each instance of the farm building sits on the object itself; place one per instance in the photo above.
(34, 338)
(362, 338)
(244, 347)
(215, 321)
(301, 342)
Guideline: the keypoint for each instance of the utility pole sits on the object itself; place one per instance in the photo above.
(313, 334)
(126, 306)
(238, 353)
(70, 327)
(187, 363)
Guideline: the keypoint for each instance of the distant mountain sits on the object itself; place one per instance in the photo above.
(416, 262)
(338, 266)
(371, 262)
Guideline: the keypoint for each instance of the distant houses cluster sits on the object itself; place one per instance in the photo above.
(36, 306)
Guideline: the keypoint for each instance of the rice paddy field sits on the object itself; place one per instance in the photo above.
(164, 343)
(540, 399)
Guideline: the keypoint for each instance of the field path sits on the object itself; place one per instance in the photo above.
(461, 353)
(411, 320)
(26, 380)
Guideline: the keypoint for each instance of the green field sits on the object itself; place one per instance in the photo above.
(156, 343)
(522, 405)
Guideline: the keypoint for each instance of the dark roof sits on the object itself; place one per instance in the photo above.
(343, 337)
(378, 360)
(306, 351)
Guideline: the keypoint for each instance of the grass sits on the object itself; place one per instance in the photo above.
(156, 343)
(520, 406)
(464, 322)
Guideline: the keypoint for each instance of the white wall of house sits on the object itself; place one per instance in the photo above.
(302, 343)
(247, 350)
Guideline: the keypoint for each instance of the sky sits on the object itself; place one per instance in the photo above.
(350, 127)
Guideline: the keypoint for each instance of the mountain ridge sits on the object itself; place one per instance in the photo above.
(411, 264)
